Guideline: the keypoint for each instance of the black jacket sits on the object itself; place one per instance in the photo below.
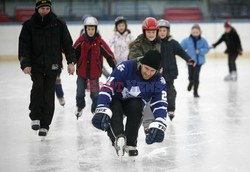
(170, 48)
(232, 41)
(42, 41)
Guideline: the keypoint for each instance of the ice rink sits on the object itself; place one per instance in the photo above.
(210, 133)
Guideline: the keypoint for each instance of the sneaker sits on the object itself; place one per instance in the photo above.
(78, 112)
(35, 124)
(43, 132)
(61, 101)
(171, 115)
(131, 150)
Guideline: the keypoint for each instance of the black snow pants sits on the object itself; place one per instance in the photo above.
(42, 98)
(132, 109)
(171, 95)
(231, 62)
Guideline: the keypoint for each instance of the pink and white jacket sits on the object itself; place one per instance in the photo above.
(120, 43)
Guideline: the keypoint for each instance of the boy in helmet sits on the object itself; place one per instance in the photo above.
(148, 40)
(131, 85)
(41, 41)
(170, 48)
(90, 49)
(121, 39)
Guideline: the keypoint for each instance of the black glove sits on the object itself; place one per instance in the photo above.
(156, 131)
(191, 62)
(102, 117)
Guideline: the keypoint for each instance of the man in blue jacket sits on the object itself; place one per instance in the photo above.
(131, 85)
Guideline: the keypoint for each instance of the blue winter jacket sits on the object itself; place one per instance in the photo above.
(202, 46)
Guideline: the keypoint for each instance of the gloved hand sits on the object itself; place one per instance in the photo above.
(102, 117)
(156, 131)
(191, 62)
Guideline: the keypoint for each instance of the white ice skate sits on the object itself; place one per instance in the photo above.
(120, 144)
(35, 124)
(42, 133)
(228, 77)
(234, 76)
(61, 101)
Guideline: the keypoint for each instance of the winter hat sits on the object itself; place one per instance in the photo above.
(228, 24)
(152, 58)
(196, 26)
(41, 3)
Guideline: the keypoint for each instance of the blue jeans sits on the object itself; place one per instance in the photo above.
(92, 86)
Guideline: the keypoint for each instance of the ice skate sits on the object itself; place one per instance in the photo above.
(190, 86)
(120, 144)
(132, 152)
(228, 78)
(234, 76)
(42, 133)
(35, 125)
(78, 113)
(171, 115)
(61, 101)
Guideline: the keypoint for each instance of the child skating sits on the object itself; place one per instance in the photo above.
(90, 50)
(197, 47)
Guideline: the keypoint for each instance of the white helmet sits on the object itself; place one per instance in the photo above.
(90, 21)
(163, 23)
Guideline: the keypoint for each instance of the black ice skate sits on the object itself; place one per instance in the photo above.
(171, 115)
(35, 124)
(42, 133)
(120, 144)
(78, 113)
(61, 101)
(131, 151)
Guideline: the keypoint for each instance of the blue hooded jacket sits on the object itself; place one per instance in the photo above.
(201, 44)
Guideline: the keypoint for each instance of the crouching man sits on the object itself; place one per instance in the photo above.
(131, 85)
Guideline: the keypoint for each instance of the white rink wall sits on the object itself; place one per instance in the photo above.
(211, 31)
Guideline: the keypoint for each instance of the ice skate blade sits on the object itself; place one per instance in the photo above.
(42, 138)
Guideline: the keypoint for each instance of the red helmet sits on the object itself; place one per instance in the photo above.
(149, 23)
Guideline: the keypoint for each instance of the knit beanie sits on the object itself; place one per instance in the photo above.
(152, 58)
(227, 24)
(41, 3)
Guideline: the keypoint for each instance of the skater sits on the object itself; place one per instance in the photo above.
(59, 91)
(105, 72)
(170, 48)
(130, 86)
(233, 43)
(41, 41)
(90, 49)
(121, 39)
(197, 47)
(148, 40)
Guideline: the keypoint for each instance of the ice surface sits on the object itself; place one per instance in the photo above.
(208, 134)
